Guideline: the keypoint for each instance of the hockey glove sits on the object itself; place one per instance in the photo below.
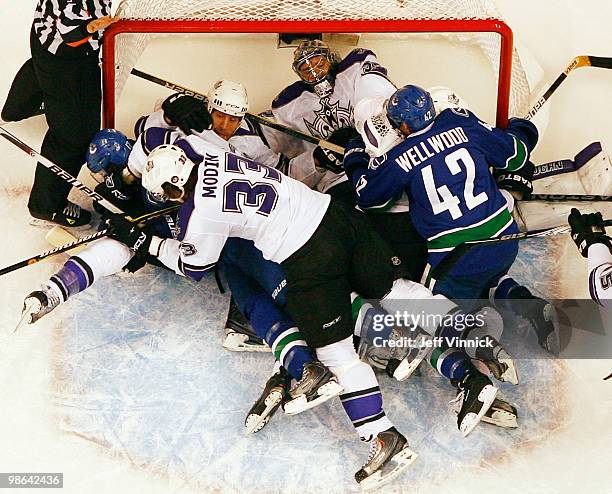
(355, 156)
(524, 130)
(324, 160)
(187, 113)
(330, 160)
(518, 181)
(130, 234)
(588, 229)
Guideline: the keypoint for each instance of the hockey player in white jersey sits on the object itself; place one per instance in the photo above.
(589, 234)
(321, 103)
(251, 278)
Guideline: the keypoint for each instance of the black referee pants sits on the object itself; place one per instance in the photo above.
(70, 89)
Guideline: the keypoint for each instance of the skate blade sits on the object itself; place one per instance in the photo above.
(26, 316)
(388, 472)
(406, 367)
(301, 404)
(497, 415)
(500, 418)
(552, 343)
(237, 342)
(258, 422)
(470, 421)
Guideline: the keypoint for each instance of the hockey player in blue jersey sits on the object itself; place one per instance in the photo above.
(443, 167)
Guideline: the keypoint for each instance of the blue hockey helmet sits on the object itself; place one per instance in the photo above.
(108, 148)
(411, 105)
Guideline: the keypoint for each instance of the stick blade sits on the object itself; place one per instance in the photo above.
(601, 62)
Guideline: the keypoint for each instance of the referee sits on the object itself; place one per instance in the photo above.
(61, 80)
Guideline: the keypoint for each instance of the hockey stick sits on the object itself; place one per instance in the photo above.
(60, 172)
(453, 256)
(254, 118)
(565, 166)
(579, 61)
(94, 236)
(568, 198)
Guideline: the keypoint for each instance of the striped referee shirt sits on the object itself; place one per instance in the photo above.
(61, 25)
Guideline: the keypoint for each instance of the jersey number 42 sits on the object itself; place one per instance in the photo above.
(441, 198)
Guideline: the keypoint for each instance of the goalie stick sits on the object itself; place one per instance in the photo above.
(60, 172)
(567, 198)
(254, 118)
(94, 236)
(565, 166)
(579, 61)
(453, 256)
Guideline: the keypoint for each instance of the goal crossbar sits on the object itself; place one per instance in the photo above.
(406, 26)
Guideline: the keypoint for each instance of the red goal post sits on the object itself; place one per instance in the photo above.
(193, 26)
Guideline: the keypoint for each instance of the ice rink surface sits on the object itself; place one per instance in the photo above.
(126, 388)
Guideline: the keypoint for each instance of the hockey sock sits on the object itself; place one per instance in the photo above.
(361, 399)
(502, 291)
(289, 347)
(450, 362)
(272, 325)
(509, 295)
(74, 277)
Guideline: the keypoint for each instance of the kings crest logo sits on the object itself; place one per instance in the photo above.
(330, 117)
(188, 249)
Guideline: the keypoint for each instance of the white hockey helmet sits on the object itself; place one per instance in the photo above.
(228, 97)
(166, 164)
(444, 97)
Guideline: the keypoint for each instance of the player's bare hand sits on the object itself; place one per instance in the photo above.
(101, 23)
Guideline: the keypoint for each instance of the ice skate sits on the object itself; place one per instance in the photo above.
(498, 361)
(417, 351)
(476, 394)
(543, 317)
(36, 305)
(274, 393)
(72, 216)
(389, 455)
(317, 385)
(501, 414)
(239, 334)
(401, 360)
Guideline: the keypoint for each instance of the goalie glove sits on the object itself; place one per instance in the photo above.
(519, 181)
(187, 113)
(588, 229)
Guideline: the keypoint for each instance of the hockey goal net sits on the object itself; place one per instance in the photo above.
(460, 22)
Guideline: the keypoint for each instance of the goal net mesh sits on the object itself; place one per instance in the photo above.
(129, 47)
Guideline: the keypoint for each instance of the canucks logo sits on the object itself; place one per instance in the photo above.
(329, 117)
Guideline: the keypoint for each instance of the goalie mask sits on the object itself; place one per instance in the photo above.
(228, 97)
(313, 62)
(166, 164)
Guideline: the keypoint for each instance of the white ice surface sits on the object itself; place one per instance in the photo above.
(127, 388)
